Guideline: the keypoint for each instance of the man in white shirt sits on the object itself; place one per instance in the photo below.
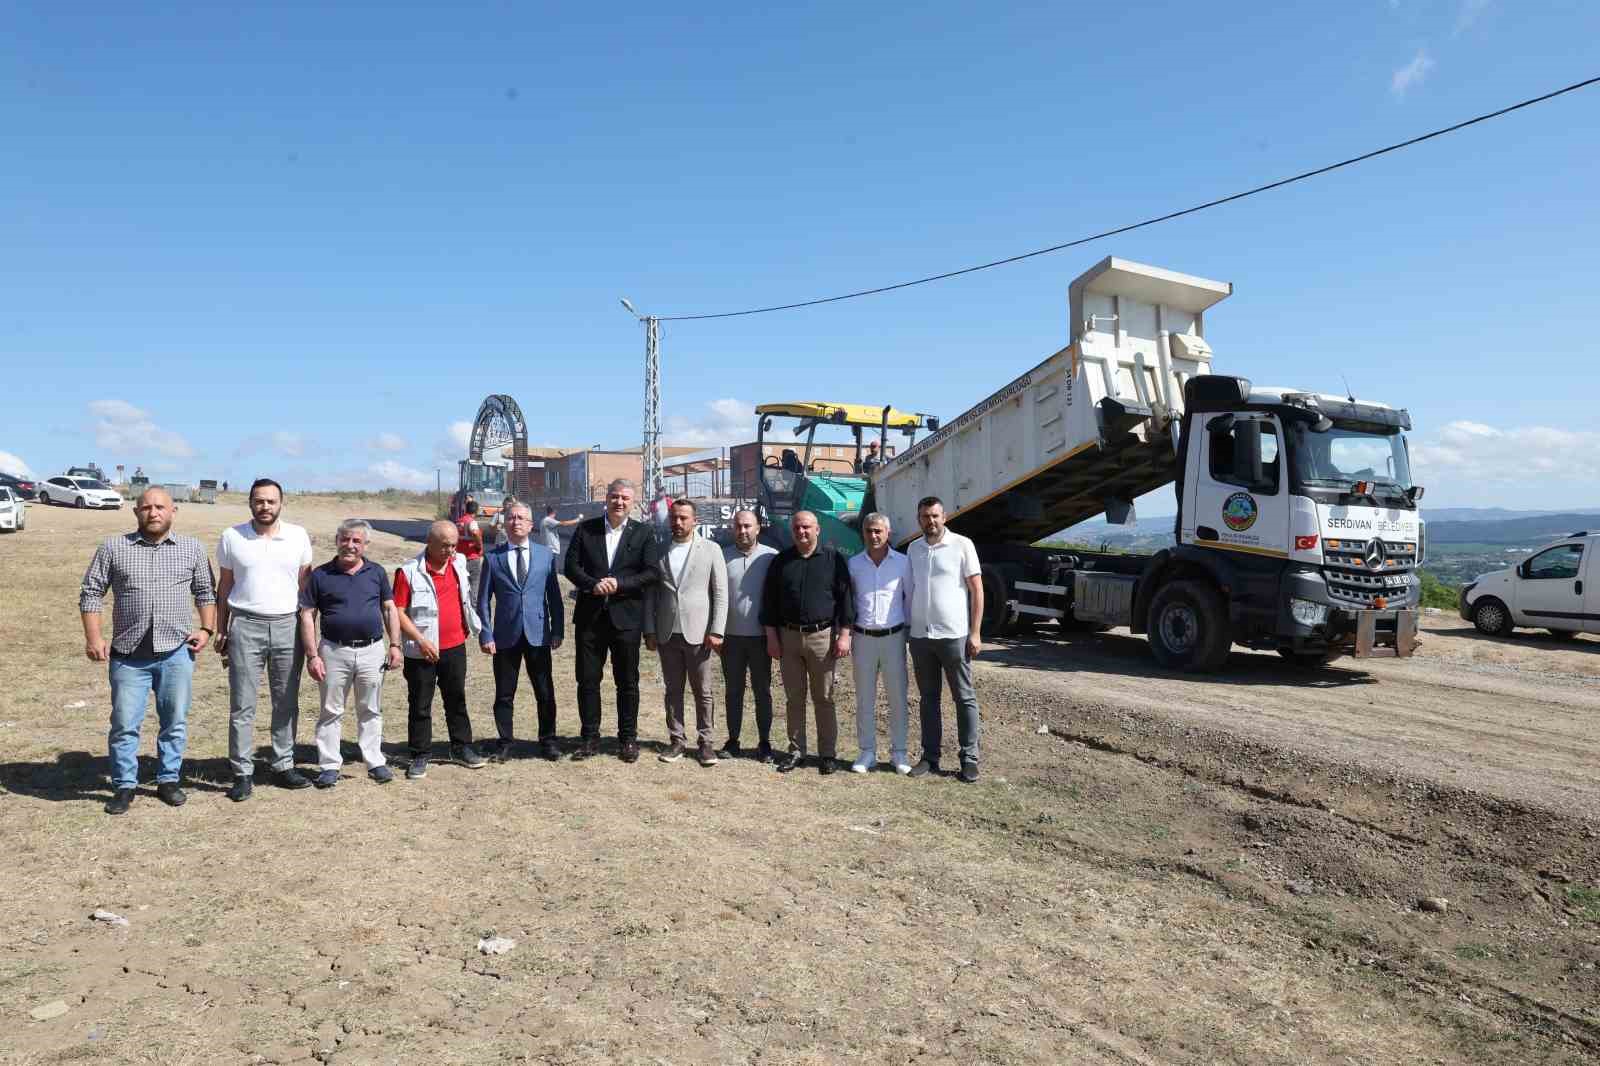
(878, 581)
(946, 618)
(263, 564)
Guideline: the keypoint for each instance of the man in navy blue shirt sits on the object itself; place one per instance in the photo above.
(357, 607)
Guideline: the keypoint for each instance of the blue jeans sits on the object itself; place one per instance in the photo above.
(132, 681)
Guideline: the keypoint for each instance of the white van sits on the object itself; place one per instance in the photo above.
(1556, 588)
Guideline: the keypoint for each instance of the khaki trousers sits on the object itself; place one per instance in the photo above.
(807, 665)
(681, 662)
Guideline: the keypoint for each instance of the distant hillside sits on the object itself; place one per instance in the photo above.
(1494, 514)
(1510, 531)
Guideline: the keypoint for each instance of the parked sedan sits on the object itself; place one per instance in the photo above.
(13, 511)
(79, 492)
(22, 486)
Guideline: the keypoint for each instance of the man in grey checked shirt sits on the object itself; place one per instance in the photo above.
(152, 575)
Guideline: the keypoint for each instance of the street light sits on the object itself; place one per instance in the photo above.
(650, 453)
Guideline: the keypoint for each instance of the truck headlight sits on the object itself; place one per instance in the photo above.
(1308, 612)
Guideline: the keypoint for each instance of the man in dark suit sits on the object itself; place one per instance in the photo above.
(612, 559)
(519, 580)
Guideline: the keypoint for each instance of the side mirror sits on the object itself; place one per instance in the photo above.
(1414, 493)
(1522, 568)
(932, 423)
(1220, 424)
(1322, 424)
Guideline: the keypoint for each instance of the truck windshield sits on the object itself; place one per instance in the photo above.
(1343, 455)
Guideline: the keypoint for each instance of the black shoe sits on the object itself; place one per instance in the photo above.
(826, 766)
(501, 752)
(169, 793)
(969, 772)
(549, 749)
(629, 752)
(790, 760)
(419, 768)
(730, 750)
(923, 768)
(242, 787)
(291, 779)
(588, 748)
(120, 801)
(466, 755)
(764, 752)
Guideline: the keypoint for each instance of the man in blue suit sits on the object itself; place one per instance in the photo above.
(519, 579)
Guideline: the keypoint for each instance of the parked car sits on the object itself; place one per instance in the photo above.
(25, 487)
(1556, 588)
(13, 511)
(79, 492)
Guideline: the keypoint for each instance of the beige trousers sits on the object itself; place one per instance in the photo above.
(807, 667)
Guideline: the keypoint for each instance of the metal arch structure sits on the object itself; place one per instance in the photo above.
(499, 423)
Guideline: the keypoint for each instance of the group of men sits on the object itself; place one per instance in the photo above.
(689, 601)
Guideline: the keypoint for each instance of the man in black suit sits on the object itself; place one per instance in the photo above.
(611, 560)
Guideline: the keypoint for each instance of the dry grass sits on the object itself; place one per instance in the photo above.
(661, 913)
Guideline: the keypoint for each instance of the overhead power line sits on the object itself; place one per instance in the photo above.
(1168, 217)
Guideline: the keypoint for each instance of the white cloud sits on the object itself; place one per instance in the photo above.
(399, 475)
(389, 442)
(11, 463)
(453, 445)
(1469, 455)
(1412, 74)
(126, 430)
(723, 422)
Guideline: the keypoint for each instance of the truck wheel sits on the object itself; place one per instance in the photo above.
(1491, 617)
(997, 620)
(1188, 627)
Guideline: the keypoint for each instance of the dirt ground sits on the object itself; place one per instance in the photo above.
(1152, 869)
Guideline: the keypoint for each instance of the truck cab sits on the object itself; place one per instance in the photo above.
(1301, 506)
(1556, 588)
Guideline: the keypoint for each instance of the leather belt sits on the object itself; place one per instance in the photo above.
(810, 627)
(364, 642)
(891, 631)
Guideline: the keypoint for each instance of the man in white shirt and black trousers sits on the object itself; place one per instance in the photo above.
(946, 617)
(878, 580)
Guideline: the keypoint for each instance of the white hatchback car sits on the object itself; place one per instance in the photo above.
(78, 492)
(13, 510)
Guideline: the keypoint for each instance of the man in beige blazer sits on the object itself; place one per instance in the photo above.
(684, 616)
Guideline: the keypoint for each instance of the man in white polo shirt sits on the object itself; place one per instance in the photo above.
(262, 564)
(878, 581)
(946, 617)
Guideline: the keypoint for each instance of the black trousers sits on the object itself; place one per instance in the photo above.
(743, 656)
(597, 640)
(449, 677)
(508, 662)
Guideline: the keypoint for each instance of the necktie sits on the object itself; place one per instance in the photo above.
(522, 568)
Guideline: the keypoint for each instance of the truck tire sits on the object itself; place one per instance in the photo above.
(1491, 617)
(1188, 627)
(997, 617)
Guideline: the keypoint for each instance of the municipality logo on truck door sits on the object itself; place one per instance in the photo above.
(1239, 511)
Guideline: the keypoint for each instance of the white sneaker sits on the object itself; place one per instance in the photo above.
(863, 764)
(902, 768)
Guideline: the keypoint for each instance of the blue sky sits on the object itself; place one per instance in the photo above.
(305, 240)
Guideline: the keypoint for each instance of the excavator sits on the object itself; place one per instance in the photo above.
(800, 477)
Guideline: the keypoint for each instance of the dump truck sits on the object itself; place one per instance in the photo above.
(1297, 529)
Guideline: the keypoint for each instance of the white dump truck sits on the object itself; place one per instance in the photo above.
(1297, 528)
